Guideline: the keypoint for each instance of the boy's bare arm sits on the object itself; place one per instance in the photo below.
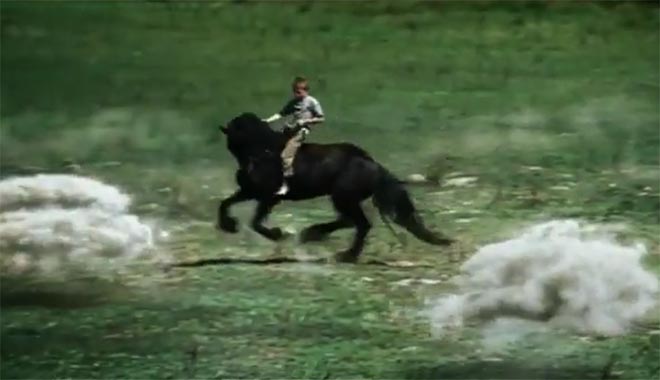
(273, 118)
(312, 120)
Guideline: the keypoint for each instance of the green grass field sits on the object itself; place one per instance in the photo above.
(553, 106)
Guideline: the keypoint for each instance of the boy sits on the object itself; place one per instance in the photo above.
(306, 111)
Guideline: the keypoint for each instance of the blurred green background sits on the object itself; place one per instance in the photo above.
(490, 85)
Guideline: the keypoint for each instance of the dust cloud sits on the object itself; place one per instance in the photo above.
(55, 224)
(563, 274)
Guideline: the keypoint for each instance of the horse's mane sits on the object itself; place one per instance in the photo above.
(248, 130)
(249, 137)
(249, 123)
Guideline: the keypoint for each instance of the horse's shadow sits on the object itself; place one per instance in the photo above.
(282, 259)
(507, 369)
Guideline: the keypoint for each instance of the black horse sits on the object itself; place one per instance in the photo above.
(345, 172)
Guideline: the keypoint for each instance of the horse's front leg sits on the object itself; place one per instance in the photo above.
(226, 222)
(264, 207)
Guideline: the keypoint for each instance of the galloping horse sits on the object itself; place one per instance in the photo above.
(343, 171)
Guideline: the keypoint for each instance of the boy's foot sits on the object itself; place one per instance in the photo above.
(283, 190)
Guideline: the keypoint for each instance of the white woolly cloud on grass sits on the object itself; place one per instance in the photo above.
(57, 222)
(60, 190)
(563, 274)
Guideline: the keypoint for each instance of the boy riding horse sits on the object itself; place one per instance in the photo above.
(306, 111)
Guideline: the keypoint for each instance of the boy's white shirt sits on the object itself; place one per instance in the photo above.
(305, 109)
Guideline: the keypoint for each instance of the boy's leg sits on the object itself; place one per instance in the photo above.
(288, 154)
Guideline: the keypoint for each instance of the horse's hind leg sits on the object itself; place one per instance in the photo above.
(318, 232)
(264, 208)
(351, 210)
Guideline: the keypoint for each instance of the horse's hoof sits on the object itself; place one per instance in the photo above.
(277, 234)
(346, 257)
(229, 225)
(311, 235)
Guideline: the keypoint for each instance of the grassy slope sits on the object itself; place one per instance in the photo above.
(496, 88)
(572, 89)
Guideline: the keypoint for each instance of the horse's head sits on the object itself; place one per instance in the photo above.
(247, 133)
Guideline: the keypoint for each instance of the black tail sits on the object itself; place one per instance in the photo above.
(393, 202)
